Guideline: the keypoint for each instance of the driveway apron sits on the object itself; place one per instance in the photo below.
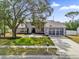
(66, 47)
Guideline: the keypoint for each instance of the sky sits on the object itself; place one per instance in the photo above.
(61, 7)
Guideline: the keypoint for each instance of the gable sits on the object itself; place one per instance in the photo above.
(55, 24)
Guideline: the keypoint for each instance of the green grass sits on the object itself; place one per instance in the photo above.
(27, 51)
(74, 38)
(40, 41)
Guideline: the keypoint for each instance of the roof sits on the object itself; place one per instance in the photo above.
(55, 24)
(48, 24)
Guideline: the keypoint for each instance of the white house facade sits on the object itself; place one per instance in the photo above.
(78, 31)
(50, 28)
(24, 28)
(54, 28)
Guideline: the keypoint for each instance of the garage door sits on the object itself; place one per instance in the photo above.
(51, 31)
(56, 31)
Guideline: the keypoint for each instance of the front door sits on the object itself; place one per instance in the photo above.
(33, 30)
(27, 30)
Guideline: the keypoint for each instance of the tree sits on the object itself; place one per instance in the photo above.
(39, 18)
(72, 25)
(39, 25)
(72, 14)
(2, 18)
(1, 26)
(16, 11)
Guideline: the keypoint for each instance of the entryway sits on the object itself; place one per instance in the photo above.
(33, 30)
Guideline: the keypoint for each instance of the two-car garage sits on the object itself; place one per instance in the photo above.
(56, 31)
(54, 28)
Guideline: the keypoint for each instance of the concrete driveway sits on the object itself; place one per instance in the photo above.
(67, 46)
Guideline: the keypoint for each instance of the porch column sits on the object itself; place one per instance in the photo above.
(59, 31)
(55, 31)
(64, 31)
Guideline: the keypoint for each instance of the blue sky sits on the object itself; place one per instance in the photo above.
(61, 7)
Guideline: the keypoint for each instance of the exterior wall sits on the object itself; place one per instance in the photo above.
(64, 31)
(29, 26)
(46, 31)
(71, 32)
(24, 27)
(78, 31)
(21, 30)
(29, 30)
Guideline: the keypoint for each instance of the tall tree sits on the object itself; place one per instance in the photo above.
(2, 17)
(18, 10)
(43, 12)
(72, 14)
(39, 25)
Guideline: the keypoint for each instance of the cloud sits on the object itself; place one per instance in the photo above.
(54, 4)
(76, 7)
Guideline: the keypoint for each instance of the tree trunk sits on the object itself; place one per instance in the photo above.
(4, 28)
(14, 33)
(4, 31)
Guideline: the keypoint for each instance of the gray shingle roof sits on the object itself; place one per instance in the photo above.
(54, 24)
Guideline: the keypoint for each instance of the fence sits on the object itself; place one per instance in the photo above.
(71, 32)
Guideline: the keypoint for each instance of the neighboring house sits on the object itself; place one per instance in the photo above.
(50, 28)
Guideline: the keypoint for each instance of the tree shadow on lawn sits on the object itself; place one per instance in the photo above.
(11, 38)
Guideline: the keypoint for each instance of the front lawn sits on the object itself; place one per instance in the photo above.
(74, 38)
(28, 41)
(27, 51)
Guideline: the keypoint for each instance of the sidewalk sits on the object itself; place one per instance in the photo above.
(70, 47)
